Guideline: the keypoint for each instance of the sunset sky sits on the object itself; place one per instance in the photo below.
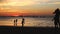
(28, 7)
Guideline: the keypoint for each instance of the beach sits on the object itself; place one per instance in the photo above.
(37, 25)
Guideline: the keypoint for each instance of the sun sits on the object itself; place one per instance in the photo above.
(15, 15)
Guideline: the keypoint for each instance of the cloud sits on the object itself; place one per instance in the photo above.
(54, 2)
(1, 0)
(27, 2)
(22, 2)
(17, 3)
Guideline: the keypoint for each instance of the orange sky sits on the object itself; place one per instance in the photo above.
(28, 7)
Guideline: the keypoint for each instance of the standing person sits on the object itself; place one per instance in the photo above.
(56, 18)
(23, 22)
(15, 22)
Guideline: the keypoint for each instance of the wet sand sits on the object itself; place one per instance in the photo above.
(46, 30)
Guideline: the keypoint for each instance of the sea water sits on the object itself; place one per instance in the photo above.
(29, 21)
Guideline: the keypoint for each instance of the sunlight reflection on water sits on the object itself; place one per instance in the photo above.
(29, 21)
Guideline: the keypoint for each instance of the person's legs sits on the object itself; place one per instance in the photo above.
(56, 24)
(15, 23)
(59, 24)
(22, 24)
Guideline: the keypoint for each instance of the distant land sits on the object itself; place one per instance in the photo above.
(26, 16)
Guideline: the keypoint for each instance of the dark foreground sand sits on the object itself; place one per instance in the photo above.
(46, 30)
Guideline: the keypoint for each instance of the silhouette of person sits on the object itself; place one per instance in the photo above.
(15, 22)
(56, 18)
(23, 22)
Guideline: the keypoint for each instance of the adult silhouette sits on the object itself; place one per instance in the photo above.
(23, 21)
(56, 18)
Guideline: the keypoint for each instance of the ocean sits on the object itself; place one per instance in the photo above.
(29, 21)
